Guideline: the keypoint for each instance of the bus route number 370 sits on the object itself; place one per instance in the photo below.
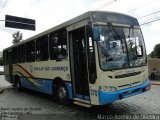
(93, 92)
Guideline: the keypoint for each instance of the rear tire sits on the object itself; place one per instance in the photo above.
(18, 83)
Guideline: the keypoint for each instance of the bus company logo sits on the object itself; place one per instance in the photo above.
(31, 68)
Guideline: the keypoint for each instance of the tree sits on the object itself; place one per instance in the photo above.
(17, 37)
(156, 52)
(152, 54)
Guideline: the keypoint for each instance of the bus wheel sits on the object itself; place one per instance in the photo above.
(18, 83)
(62, 94)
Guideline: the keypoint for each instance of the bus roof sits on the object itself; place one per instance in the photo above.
(94, 16)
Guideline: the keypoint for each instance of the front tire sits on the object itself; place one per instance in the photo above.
(62, 94)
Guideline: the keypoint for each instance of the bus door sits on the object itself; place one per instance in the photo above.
(10, 62)
(78, 61)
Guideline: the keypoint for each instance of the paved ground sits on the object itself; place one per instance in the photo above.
(37, 106)
(155, 82)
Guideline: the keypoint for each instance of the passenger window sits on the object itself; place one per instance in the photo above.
(42, 48)
(58, 43)
(21, 53)
(4, 58)
(30, 51)
(15, 55)
(7, 58)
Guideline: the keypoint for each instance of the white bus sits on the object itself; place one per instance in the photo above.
(93, 59)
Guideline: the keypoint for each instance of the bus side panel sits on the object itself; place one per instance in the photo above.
(40, 85)
(69, 88)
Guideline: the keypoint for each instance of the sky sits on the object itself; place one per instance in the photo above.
(49, 13)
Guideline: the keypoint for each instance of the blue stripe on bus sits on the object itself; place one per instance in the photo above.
(79, 96)
(46, 85)
(69, 87)
(83, 97)
(109, 97)
(87, 97)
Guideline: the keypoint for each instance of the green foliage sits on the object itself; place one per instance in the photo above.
(156, 52)
(152, 54)
(17, 37)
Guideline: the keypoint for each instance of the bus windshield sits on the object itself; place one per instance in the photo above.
(120, 47)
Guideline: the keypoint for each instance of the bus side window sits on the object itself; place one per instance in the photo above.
(42, 48)
(15, 55)
(4, 58)
(57, 42)
(30, 51)
(7, 60)
(21, 53)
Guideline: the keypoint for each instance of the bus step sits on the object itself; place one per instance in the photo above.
(82, 104)
(81, 100)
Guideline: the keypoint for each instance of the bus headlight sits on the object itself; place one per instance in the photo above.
(107, 88)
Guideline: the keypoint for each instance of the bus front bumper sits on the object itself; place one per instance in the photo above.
(109, 97)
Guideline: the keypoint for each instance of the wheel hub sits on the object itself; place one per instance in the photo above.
(62, 93)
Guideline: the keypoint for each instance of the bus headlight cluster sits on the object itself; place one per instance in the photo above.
(107, 88)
